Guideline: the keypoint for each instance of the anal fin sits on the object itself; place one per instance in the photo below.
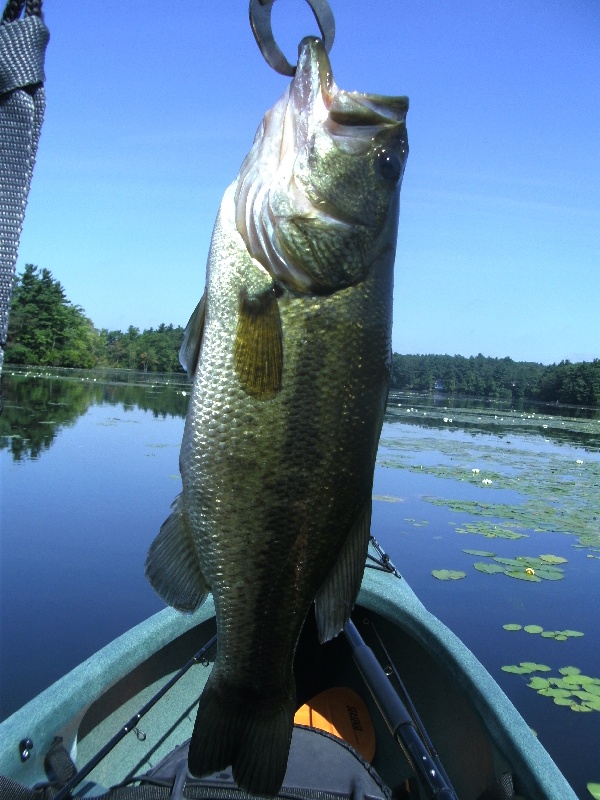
(172, 565)
(335, 599)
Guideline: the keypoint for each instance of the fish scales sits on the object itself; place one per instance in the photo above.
(306, 457)
(291, 348)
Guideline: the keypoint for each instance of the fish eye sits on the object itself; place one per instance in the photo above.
(389, 165)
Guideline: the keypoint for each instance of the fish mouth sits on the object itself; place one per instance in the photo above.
(313, 61)
(355, 121)
(349, 109)
(280, 202)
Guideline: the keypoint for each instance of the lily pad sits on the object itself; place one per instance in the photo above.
(538, 683)
(540, 477)
(578, 692)
(582, 680)
(560, 684)
(592, 701)
(489, 530)
(594, 790)
(490, 569)
(510, 562)
(448, 574)
(553, 559)
(526, 667)
(525, 568)
(573, 680)
(533, 667)
(522, 575)
(479, 553)
(548, 692)
(550, 574)
(558, 636)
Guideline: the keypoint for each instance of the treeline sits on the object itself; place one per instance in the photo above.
(46, 329)
(576, 384)
(498, 378)
(152, 350)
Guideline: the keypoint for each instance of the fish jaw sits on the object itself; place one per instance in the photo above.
(318, 192)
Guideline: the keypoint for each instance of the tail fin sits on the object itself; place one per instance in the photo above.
(255, 741)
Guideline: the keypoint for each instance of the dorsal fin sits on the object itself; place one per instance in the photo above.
(189, 352)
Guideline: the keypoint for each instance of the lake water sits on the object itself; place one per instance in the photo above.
(88, 468)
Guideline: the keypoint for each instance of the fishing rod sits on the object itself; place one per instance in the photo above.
(132, 724)
(410, 706)
(397, 718)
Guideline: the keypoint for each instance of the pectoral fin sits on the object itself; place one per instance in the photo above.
(335, 599)
(192, 339)
(172, 565)
(258, 347)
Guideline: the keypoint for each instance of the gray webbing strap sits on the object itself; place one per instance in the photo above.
(22, 102)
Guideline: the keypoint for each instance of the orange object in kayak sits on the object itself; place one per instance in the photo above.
(341, 712)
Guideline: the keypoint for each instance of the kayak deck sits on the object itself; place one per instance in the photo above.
(318, 667)
(169, 723)
(477, 732)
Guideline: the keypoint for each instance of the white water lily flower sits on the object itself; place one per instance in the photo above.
(579, 461)
(486, 482)
(475, 471)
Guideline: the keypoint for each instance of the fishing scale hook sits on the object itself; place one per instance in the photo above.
(260, 21)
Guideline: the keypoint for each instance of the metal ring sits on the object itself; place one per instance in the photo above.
(260, 20)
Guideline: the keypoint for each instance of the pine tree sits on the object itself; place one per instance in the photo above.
(45, 328)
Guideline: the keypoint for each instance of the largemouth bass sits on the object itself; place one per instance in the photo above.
(290, 348)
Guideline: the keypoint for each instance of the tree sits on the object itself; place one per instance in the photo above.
(44, 327)
(47, 329)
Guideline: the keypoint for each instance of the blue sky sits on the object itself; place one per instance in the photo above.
(152, 108)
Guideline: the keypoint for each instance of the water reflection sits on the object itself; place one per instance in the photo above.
(567, 425)
(38, 404)
(499, 405)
